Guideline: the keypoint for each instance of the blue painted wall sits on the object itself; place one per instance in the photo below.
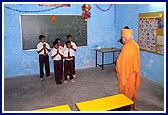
(101, 33)
(18, 62)
(152, 65)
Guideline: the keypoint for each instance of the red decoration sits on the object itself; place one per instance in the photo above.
(53, 18)
(86, 14)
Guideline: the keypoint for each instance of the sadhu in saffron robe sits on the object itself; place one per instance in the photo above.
(128, 70)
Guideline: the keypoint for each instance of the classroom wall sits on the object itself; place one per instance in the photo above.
(101, 33)
(152, 65)
(19, 62)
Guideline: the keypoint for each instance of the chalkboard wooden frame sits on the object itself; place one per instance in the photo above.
(32, 26)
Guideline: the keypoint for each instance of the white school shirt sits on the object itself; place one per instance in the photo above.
(73, 45)
(40, 46)
(58, 56)
(61, 48)
(71, 51)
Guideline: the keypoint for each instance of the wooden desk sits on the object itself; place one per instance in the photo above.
(106, 50)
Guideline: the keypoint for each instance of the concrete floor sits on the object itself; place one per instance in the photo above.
(27, 93)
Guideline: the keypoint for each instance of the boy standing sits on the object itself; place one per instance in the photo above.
(68, 63)
(73, 47)
(60, 44)
(62, 49)
(42, 49)
(57, 55)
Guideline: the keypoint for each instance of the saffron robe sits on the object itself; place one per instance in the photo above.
(128, 69)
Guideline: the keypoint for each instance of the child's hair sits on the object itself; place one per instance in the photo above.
(69, 36)
(55, 42)
(67, 42)
(57, 39)
(41, 36)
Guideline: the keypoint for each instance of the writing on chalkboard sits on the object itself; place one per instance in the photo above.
(34, 25)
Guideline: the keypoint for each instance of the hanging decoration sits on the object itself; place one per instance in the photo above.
(104, 10)
(53, 18)
(33, 11)
(66, 5)
(86, 11)
(115, 16)
(160, 22)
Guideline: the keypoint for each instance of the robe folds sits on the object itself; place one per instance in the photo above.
(128, 69)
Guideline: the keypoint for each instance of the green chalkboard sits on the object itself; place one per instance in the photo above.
(34, 25)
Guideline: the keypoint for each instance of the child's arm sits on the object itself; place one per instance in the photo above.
(55, 54)
(61, 55)
(65, 57)
(46, 48)
(68, 57)
(40, 50)
(73, 48)
(73, 57)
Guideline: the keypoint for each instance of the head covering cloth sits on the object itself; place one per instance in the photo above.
(127, 33)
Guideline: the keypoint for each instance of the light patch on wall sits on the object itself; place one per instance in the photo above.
(88, 63)
(157, 6)
(150, 62)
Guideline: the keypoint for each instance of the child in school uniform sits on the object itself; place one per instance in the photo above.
(57, 55)
(62, 49)
(43, 49)
(73, 47)
(68, 62)
(60, 44)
